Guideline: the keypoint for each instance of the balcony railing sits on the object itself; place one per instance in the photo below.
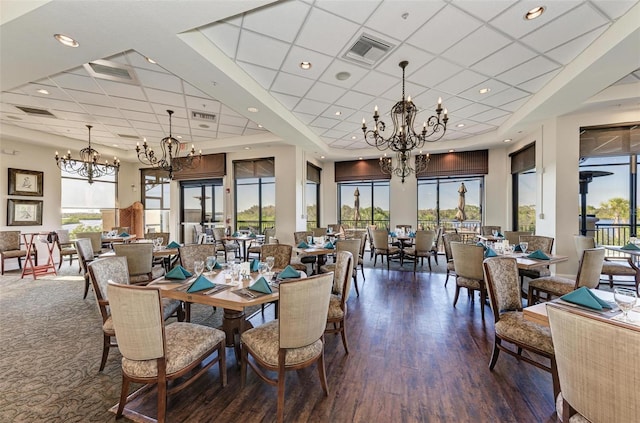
(611, 233)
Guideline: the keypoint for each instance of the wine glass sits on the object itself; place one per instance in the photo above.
(310, 240)
(198, 267)
(495, 233)
(211, 263)
(262, 268)
(159, 242)
(626, 299)
(231, 256)
(220, 257)
(524, 246)
(270, 262)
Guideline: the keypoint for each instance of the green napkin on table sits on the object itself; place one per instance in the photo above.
(234, 234)
(517, 249)
(217, 266)
(261, 285)
(584, 297)
(630, 246)
(200, 284)
(173, 244)
(289, 273)
(538, 255)
(177, 272)
(500, 235)
(252, 235)
(303, 245)
(481, 244)
(124, 234)
(329, 245)
(490, 252)
(254, 265)
(393, 234)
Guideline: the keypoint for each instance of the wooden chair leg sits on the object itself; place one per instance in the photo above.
(455, 298)
(123, 396)
(343, 333)
(355, 283)
(106, 344)
(86, 286)
(281, 385)
(494, 355)
(322, 373)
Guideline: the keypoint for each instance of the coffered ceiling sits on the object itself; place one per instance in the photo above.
(231, 69)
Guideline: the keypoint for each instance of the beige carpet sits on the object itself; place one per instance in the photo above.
(50, 349)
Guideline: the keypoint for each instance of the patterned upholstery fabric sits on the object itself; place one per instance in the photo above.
(222, 244)
(506, 288)
(185, 342)
(193, 252)
(450, 266)
(447, 239)
(280, 252)
(617, 268)
(468, 283)
(10, 247)
(335, 310)
(555, 284)
(326, 268)
(513, 326)
(263, 342)
(107, 327)
(536, 242)
(155, 235)
(488, 230)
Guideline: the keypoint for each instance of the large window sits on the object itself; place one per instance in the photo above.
(88, 207)
(439, 198)
(523, 185)
(255, 186)
(312, 196)
(155, 199)
(201, 204)
(372, 207)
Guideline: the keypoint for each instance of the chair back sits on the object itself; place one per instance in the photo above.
(590, 268)
(583, 243)
(424, 241)
(488, 230)
(537, 242)
(342, 274)
(303, 308)
(335, 227)
(467, 260)
(192, 252)
(95, 237)
(300, 236)
(597, 361)
(363, 241)
(139, 257)
(121, 229)
(501, 276)
(436, 239)
(9, 241)
(63, 236)
(319, 232)
(280, 252)
(85, 251)
(104, 270)
(514, 236)
(137, 321)
(447, 239)
(380, 239)
(350, 245)
(270, 235)
(153, 235)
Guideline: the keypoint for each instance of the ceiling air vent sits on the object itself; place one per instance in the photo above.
(111, 71)
(368, 50)
(32, 111)
(129, 137)
(209, 117)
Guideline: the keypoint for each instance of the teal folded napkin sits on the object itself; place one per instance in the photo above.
(538, 255)
(517, 249)
(490, 252)
(123, 234)
(289, 273)
(303, 245)
(329, 245)
(254, 265)
(500, 235)
(393, 234)
(173, 244)
(178, 272)
(481, 244)
(412, 234)
(217, 266)
(252, 235)
(261, 285)
(630, 246)
(235, 234)
(200, 284)
(584, 297)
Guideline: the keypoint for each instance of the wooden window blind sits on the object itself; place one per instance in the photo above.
(457, 164)
(523, 159)
(359, 170)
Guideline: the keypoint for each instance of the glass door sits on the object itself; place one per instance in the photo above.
(201, 207)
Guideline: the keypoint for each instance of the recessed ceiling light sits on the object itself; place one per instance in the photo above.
(114, 145)
(534, 13)
(203, 126)
(179, 137)
(353, 137)
(43, 91)
(305, 65)
(460, 125)
(252, 109)
(507, 140)
(66, 40)
(322, 157)
(484, 90)
(451, 151)
(343, 76)
(260, 126)
(150, 60)
(247, 148)
(359, 158)
(338, 113)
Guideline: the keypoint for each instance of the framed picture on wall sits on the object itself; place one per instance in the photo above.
(24, 212)
(25, 182)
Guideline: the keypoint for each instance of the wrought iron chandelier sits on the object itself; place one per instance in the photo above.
(404, 139)
(170, 161)
(88, 166)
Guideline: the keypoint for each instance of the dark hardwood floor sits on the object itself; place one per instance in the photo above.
(414, 358)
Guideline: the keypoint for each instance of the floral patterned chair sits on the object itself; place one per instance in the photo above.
(339, 296)
(282, 254)
(192, 252)
(10, 249)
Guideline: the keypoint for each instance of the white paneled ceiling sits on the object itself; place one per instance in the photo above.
(223, 57)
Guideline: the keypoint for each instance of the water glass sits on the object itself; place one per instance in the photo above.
(220, 257)
(270, 263)
(310, 240)
(626, 300)
(210, 262)
(198, 267)
(262, 268)
(524, 246)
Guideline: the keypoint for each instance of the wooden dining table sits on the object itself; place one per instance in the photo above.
(537, 313)
(528, 263)
(316, 250)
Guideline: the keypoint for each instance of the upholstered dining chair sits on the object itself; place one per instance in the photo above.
(140, 262)
(556, 286)
(467, 260)
(154, 235)
(299, 237)
(352, 246)
(370, 229)
(195, 252)
(488, 230)
(422, 249)
(222, 244)
(84, 248)
(447, 239)
(612, 266)
(536, 242)
(336, 319)
(295, 340)
(66, 248)
(598, 368)
(364, 235)
(256, 246)
(509, 323)
(319, 232)
(153, 353)
(96, 241)
(10, 249)
(382, 248)
(282, 254)
(514, 236)
(435, 249)
(115, 269)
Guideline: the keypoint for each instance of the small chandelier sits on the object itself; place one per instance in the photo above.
(404, 138)
(170, 161)
(88, 166)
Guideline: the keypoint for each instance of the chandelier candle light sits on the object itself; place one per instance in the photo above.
(88, 166)
(404, 138)
(170, 161)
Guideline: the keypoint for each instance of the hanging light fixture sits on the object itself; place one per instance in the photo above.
(404, 139)
(88, 166)
(170, 161)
